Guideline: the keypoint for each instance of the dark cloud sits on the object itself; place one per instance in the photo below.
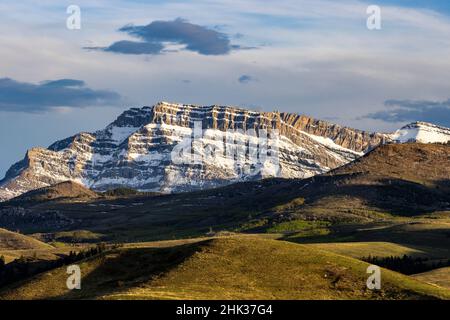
(18, 96)
(153, 36)
(133, 47)
(245, 78)
(437, 112)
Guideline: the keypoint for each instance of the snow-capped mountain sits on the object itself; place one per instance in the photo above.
(150, 149)
(422, 132)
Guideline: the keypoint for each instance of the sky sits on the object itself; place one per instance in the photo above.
(313, 57)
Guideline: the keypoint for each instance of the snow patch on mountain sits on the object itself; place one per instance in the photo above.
(422, 132)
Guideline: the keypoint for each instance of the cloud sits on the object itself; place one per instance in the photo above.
(64, 83)
(153, 37)
(18, 96)
(245, 78)
(133, 47)
(437, 112)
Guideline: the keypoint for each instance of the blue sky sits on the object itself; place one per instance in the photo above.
(314, 57)
(441, 6)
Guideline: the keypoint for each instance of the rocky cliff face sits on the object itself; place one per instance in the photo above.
(173, 147)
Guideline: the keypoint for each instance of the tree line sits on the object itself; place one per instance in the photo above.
(24, 267)
(407, 264)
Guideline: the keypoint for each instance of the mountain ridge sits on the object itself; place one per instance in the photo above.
(135, 150)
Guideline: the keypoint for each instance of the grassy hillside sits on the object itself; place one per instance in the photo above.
(16, 241)
(364, 249)
(223, 268)
(432, 234)
(60, 191)
(14, 245)
(439, 277)
(74, 236)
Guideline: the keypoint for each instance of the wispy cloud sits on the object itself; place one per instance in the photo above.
(18, 96)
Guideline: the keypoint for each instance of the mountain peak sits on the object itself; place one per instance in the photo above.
(422, 132)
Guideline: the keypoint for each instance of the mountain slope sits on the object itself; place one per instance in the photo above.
(427, 164)
(142, 149)
(399, 179)
(223, 268)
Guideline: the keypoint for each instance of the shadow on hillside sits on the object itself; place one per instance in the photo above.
(410, 234)
(193, 214)
(394, 196)
(166, 216)
(128, 268)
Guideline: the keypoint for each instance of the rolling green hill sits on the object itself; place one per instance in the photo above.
(14, 245)
(15, 241)
(439, 277)
(364, 249)
(242, 267)
(60, 191)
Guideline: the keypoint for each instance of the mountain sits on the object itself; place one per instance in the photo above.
(163, 149)
(421, 132)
